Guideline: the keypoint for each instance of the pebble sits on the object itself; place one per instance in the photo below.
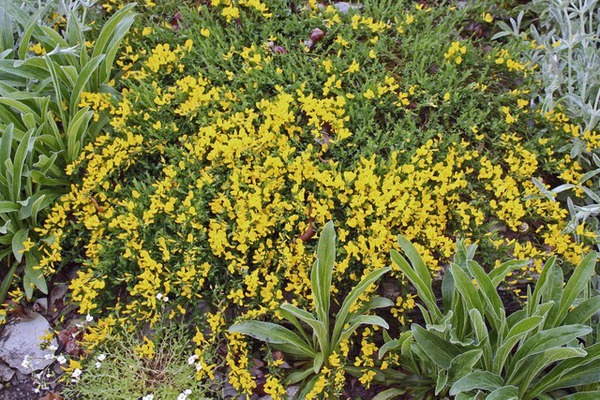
(22, 339)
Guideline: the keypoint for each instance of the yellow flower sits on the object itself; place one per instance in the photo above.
(354, 67)
(145, 350)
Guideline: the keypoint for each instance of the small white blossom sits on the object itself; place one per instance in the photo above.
(101, 357)
(26, 362)
(76, 373)
(198, 366)
(148, 397)
(61, 359)
(159, 296)
(89, 318)
(166, 299)
(184, 395)
(98, 364)
(192, 359)
(53, 347)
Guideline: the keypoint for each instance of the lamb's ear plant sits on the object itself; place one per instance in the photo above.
(470, 347)
(565, 49)
(312, 338)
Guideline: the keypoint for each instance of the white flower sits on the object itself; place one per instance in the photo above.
(98, 364)
(61, 359)
(159, 296)
(184, 395)
(76, 373)
(166, 299)
(148, 397)
(198, 366)
(89, 318)
(53, 347)
(101, 357)
(192, 359)
(26, 362)
(48, 356)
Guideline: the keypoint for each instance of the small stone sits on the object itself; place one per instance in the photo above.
(292, 392)
(316, 35)
(21, 377)
(22, 340)
(6, 373)
(41, 304)
(57, 369)
(229, 391)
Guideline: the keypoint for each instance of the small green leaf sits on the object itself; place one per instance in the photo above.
(394, 344)
(272, 333)
(504, 393)
(322, 272)
(463, 363)
(17, 243)
(342, 317)
(358, 321)
(593, 395)
(483, 380)
(466, 288)
(33, 277)
(8, 207)
(317, 326)
(415, 259)
(298, 376)
(583, 312)
(317, 362)
(441, 381)
(580, 278)
(389, 394)
(424, 290)
(440, 351)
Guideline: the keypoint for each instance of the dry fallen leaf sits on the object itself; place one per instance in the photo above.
(51, 396)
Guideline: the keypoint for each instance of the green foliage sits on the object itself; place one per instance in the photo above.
(564, 44)
(322, 342)
(118, 369)
(471, 346)
(42, 127)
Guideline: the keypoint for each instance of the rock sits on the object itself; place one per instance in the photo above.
(292, 392)
(22, 339)
(41, 304)
(344, 7)
(6, 373)
(57, 368)
(21, 377)
(229, 391)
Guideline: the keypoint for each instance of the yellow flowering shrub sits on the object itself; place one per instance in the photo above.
(225, 157)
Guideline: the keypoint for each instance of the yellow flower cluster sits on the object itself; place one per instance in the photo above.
(230, 8)
(455, 51)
